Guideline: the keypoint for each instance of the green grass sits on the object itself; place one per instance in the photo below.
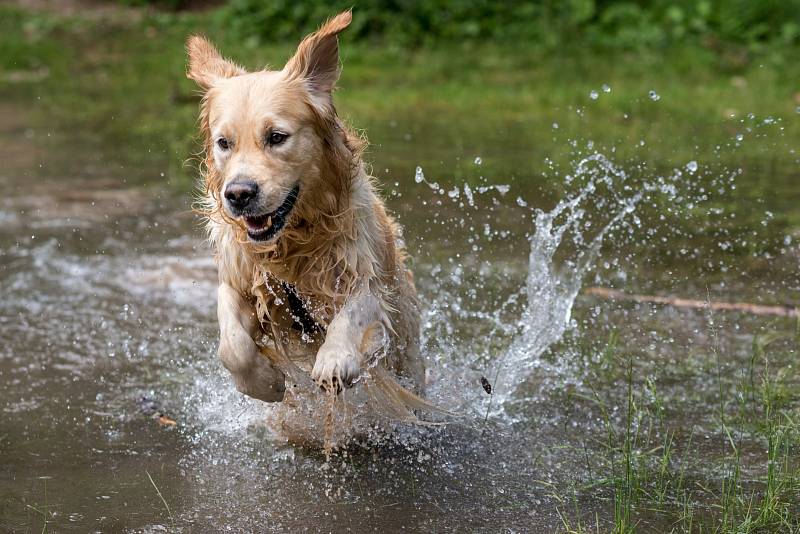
(133, 72)
(743, 476)
(43, 512)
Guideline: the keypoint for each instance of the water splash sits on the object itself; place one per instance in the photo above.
(551, 291)
(565, 244)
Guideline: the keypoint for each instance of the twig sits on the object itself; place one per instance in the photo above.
(161, 497)
(746, 307)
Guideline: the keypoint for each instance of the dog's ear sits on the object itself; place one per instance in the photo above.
(316, 60)
(206, 64)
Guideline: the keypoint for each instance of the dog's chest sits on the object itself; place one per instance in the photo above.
(291, 318)
(299, 310)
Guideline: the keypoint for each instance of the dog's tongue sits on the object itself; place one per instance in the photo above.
(258, 223)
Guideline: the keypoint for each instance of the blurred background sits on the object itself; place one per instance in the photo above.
(506, 64)
(645, 146)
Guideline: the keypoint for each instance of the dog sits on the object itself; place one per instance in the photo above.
(313, 275)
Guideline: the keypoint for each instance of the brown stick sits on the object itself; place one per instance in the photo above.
(747, 307)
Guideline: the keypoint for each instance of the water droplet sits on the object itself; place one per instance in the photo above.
(691, 166)
(478, 160)
(468, 194)
(797, 109)
(418, 176)
(594, 95)
(654, 96)
(606, 88)
(740, 137)
(555, 126)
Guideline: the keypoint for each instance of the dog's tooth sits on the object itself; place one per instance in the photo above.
(269, 221)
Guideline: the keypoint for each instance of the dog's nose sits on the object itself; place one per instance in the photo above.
(240, 193)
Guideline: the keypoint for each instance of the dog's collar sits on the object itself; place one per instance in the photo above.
(301, 318)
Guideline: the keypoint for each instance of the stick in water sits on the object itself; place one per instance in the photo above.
(746, 307)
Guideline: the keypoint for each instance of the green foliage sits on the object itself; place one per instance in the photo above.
(163, 4)
(409, 22)
(611, 23)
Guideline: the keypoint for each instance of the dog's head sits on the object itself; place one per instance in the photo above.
(272, 137)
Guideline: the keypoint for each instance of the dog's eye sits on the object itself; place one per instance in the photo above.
(223, 144)
(276, 138)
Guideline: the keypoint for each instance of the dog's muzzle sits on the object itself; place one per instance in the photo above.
(266, 226)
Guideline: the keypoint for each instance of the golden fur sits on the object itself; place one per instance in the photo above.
(339, 249)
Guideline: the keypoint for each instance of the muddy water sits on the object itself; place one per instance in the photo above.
(108, 321)
(108, 316)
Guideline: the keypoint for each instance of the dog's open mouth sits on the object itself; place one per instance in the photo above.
(266, 226)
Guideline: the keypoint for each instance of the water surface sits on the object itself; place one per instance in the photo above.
(108, 321)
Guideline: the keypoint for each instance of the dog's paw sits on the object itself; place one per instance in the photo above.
(336, 368)
(252, 371)
(263, 381)
(256, 376)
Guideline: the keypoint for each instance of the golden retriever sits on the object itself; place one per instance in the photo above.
(312, 270)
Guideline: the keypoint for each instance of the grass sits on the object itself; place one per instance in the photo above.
(745, 478)
(160, 496)
(43, 511)
(487, 89)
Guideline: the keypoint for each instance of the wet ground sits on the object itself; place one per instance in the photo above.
(107, 321)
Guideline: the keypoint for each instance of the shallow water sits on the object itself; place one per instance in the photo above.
(108, 320)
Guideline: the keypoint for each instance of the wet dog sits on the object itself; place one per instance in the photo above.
(312, 270)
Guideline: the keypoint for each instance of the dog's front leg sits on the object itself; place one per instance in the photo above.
(253, 374)
(352, 336)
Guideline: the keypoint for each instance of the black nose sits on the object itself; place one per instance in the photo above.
(240, 193)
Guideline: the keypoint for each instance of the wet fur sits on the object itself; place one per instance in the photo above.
(338, 243)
